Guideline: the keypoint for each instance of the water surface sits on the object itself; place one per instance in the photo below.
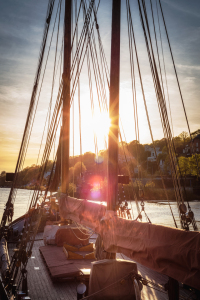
(158, 212)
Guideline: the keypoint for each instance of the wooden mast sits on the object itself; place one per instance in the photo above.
(114, 107)
(66, 99)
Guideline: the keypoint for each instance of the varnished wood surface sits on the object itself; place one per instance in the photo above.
(41, 287)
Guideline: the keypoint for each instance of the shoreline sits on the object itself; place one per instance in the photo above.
(132, 200)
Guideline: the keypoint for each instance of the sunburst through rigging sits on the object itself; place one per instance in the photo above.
(101, 124)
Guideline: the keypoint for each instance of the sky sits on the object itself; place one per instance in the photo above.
(21, 30)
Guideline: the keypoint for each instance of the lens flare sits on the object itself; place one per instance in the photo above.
(101, 123)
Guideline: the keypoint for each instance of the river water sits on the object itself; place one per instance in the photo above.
(158, 212)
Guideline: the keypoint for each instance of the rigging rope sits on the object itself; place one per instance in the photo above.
(27, 238)
(134, 193)
(90, 80)
(134, 99)
(164, 68)
(103, 56)
(29, 117)
(132, 275)
(99, 79)
(193, 219)
(25, 151)
(79, 103)
(54, 69)
(178, 82)
(44, 72)
(163, 112)
(164, 117)
(95, 62)
(144, 99)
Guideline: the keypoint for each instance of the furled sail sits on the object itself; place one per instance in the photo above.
(82, 211)
(170, 251)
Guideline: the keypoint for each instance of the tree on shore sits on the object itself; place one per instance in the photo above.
(133, 156)
(194, 162)
(184, 136)
(76, 172)
(184, 166)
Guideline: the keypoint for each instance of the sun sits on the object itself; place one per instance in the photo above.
(101, 123)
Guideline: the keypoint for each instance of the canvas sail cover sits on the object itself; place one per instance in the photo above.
(170, 251)
(82, 211)
(106, 276)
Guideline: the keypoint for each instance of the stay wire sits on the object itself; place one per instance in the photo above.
(160, 67)
(83, 36)
(97, 75)
(43, 80)
(103, 62)
(54, 118)
(92, 57)
(13, 190)
(178, 192)
(144, 99)
(193, 221)
(101, 45)
(164, 68)
(133, 189)
(178, 81)
(133, 91)
(54, 69)
(36, 196)
(158, 56)
(103, 68)
(46, 154)
(167, 86)
(160, 101)
(76, 25)
(104, 100)
(100, 86)
(42, 84)
(132, 185)
(74, 84)
(171, 147)
(72, 55)
(91, 95)
(79, 103)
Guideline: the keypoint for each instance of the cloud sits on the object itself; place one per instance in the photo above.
(188, 67)
(185, 6)
(21, 26)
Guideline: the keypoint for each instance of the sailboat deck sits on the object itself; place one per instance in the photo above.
(42, 287)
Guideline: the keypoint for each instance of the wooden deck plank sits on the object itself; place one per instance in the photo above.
(41, 286)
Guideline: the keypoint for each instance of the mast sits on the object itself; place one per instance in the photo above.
(66, 99)
(114, 107)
